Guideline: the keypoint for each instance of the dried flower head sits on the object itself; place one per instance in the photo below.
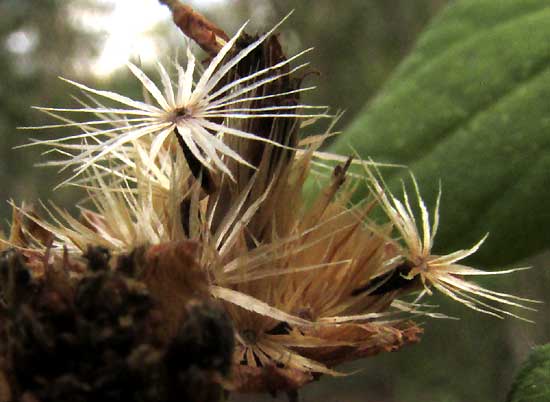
(81, 332)
(197, 110)
(441, 272)
(307, 286)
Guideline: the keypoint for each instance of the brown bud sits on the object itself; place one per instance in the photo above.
(194, 25)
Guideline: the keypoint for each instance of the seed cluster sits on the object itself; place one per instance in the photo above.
(96, 338)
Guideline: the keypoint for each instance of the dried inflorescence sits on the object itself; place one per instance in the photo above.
(87, 332)
(200, 197)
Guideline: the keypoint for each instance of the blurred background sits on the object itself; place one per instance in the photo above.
(357, 45)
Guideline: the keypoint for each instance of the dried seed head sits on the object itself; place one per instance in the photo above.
(200, 112)
(305, 287)
(442, 272)
(102, 342)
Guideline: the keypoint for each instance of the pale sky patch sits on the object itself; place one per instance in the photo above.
(127, 29)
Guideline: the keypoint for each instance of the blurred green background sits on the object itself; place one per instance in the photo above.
(358, 43)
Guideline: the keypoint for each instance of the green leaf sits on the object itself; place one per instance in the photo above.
(471, 107)
(533, 381)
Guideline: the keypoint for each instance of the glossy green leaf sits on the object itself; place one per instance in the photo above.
(470, 106)
(533, 381)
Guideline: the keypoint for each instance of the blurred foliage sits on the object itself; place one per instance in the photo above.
(474, 114)
(357, 42)
(39, 40)
(533, 381)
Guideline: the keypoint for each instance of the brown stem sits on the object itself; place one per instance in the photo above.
(195, 26)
